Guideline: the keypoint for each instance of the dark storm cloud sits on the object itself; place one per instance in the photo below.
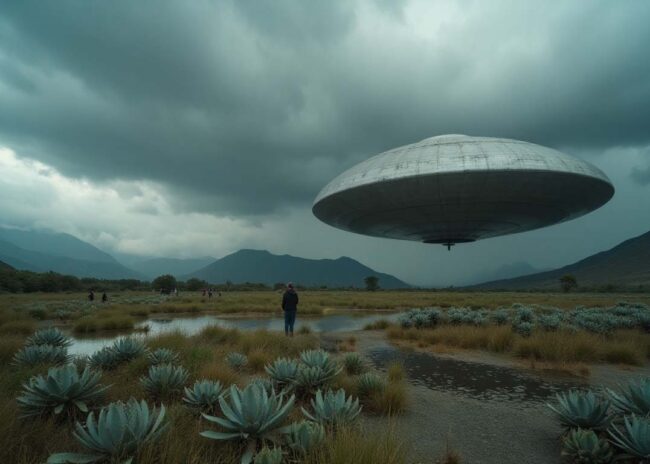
(250, 107)
(641, 175)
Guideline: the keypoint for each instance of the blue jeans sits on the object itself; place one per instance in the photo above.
(289, 320)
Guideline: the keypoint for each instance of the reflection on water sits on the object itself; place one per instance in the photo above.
(473, 380)
(193, 325)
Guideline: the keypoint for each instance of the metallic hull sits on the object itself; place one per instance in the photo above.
(455, 189)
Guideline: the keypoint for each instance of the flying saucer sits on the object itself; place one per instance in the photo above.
(456, 189)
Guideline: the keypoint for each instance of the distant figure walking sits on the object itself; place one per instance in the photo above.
(104, 297)
(91, 296)
(209, 294)
(290, 308)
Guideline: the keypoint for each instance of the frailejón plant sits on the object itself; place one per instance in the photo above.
(585, 447)
(164, 381)
(204, 395)
(236, 360)
(581, 409)
(62, 392)
(162, 356)
(268, 456)
(633, 437)
(50, 336)
(633, 399)
(117, 434)
(303, 436)
(333, 408)
(104, 359)
(282, 371)
(370, 383)
(128, 348)
(42, 354)
(252, 415)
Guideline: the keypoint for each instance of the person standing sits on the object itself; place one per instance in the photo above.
(290, 308)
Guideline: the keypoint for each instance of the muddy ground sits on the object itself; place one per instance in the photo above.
(488, 408)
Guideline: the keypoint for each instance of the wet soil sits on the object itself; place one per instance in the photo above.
(488, 408)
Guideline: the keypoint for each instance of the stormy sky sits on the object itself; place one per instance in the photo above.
(198, 128)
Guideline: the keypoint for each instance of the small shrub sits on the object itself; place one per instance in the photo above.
(501, 316)
(524, 328)
(549, 322)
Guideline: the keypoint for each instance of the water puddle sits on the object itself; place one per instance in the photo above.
(473, 380)
(193, 325)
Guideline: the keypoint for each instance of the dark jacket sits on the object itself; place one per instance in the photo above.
(290, 300)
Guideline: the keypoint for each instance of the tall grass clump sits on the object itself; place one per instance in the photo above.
(353, 364)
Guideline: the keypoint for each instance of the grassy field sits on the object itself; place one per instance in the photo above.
(562, 350)
(23, 312)
(24, 441)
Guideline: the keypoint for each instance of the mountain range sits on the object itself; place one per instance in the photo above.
(42, 251)
(262, 266)
(153, 267)
(625, 265)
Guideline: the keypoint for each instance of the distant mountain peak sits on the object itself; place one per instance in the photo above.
(262, 266)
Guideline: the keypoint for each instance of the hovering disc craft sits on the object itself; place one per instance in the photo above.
(456, 189)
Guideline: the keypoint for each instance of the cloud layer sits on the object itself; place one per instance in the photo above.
(247, 108)
(221, 120)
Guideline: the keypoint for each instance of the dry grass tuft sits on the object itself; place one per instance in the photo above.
(20, 327)
(629, 347)
(396, 372)
(351, 445)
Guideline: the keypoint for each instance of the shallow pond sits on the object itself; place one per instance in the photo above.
(485, 382)
(193, 325)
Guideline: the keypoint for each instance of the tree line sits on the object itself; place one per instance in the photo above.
(17, 281)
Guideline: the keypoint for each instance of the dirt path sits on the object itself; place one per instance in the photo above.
(485, 426)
